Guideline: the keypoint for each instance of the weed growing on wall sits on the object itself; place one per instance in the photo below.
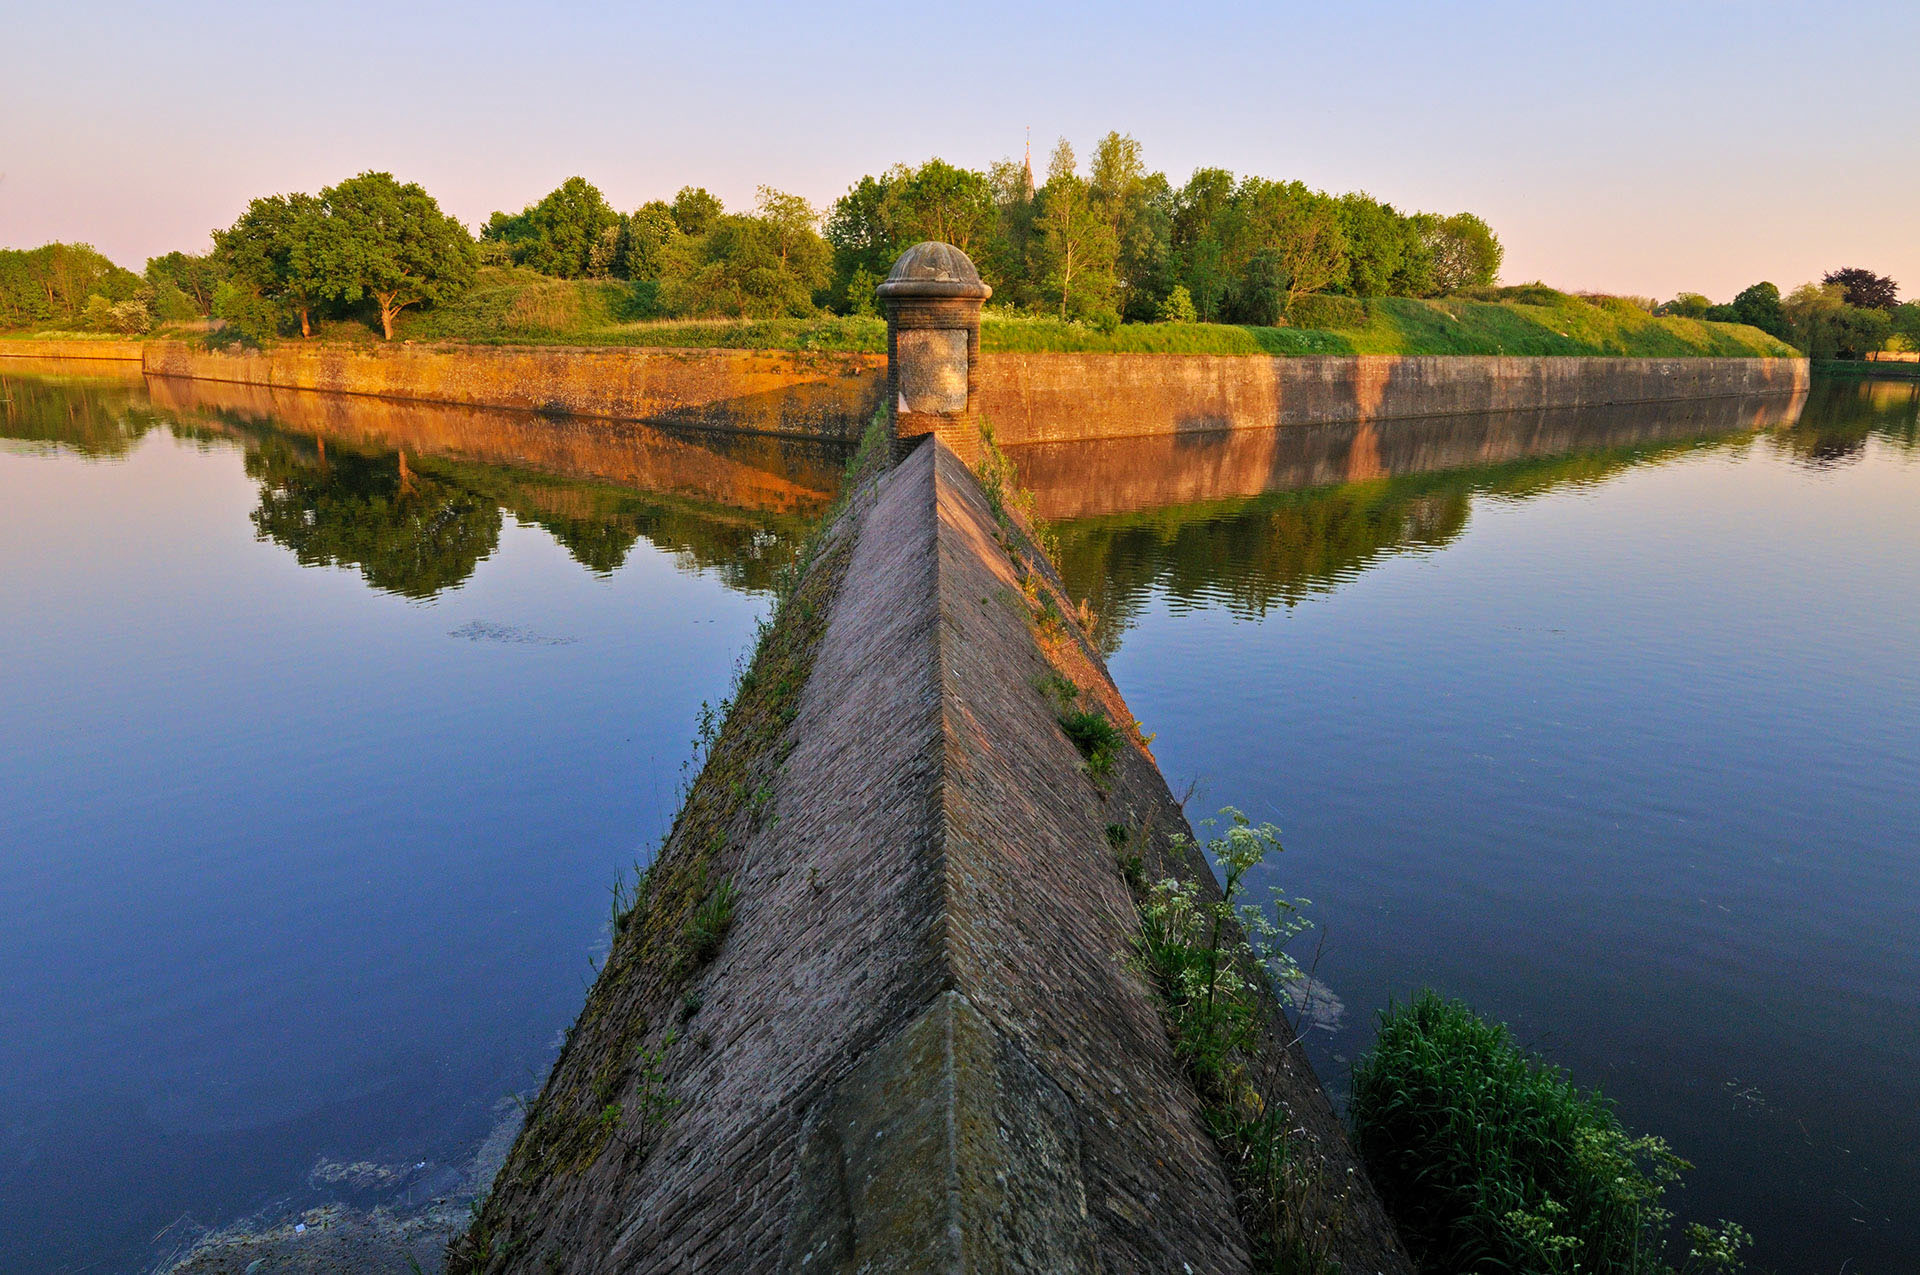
(1214, 964)
(1488, 1158)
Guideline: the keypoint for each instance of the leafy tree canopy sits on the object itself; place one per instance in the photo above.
(1466, 253)
(194, 278)
(282, 250)
(645, 237)
(572, 233)
(54, 282)
(390, 241)
(695, 210)
(1864, 288)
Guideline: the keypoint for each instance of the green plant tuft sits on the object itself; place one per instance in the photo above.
(1489, 1159)
(708, 926)
(1096, 739)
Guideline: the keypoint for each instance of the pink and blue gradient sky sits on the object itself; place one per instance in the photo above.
(1645, 148)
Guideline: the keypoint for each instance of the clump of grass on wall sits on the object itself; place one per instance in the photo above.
(1489, 1159)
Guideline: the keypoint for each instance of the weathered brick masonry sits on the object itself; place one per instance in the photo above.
(921, 1046)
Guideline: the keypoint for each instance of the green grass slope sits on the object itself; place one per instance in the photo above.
(510, 306)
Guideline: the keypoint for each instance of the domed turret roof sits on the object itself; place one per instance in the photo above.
(934, 270)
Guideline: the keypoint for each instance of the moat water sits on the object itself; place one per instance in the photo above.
(328, 725)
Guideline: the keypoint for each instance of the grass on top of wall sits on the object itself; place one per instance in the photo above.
(512, 306)
(1546, 323)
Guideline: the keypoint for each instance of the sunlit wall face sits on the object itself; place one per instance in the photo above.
(1636, 148)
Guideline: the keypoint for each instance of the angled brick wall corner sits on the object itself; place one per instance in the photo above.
(921, 1046)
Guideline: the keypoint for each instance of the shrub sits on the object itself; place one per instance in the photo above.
(129, 317)
(1177, 306)
(1490, 1160)
(1518, 294)
(1324, 313)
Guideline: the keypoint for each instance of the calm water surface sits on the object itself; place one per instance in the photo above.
(1621, 747)
(317, 768)
(328, 724)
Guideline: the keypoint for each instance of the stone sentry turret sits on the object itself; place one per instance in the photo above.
(933, 297)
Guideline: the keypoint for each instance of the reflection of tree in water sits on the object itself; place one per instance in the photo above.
(1841, 415)
(417, 525)
(409, 533)
(99, 421)
(599, 524)
(1280, 548)
(1250, 555)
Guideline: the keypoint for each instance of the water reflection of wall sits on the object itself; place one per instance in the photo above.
(1086, 479)
(1253, 521)
(412, 495)
(776, 475)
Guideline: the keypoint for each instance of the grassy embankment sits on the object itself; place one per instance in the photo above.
(510, 306)
(515, 307)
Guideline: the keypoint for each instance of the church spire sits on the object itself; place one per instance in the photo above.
(1029, 164)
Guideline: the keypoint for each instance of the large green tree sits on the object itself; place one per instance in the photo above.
(942, 203)
(194, 277)
(645, 238)
(1376, 241)
(282, 249)
(860, 234)
(1288, 241)
(1137, 205)
(1075, 251)
(389, 241)
(881, 217)
(795, 227)
(1759, 305)
(695, 210)
(1200, 222)
(1906, 324)
(745, 267)
(571, 233)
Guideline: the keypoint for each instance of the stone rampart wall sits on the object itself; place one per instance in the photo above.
(1047, 398)
(70, 348)
(755, 391)
(1028, 398)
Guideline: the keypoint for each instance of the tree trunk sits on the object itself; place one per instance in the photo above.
(306, 328)
(386, 320)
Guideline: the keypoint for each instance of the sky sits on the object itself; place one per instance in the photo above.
(1695, 145)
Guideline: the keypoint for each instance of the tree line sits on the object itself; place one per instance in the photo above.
(1113, 243)
(1851, 312)
(1116, 243)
